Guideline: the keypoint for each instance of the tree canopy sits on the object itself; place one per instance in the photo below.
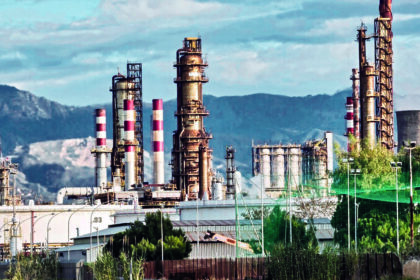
(144, 240)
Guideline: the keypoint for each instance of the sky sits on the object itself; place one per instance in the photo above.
(68, 50)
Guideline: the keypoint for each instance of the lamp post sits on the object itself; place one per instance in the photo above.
(348, 161)
(91, 214)
(355, 172)
(33, 230)
(161, 235)
(48, 225)
(396, 165)
(68, 230)
(410, 146)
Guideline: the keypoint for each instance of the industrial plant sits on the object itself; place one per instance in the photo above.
(370, 109)
(197, 197)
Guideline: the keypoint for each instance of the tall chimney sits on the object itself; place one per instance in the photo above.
(349, 120)
(385, 9)
(101, 150)
(130, 144)
(158, 151)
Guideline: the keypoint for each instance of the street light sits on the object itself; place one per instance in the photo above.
(48, 225)
(396, 165)
(355, 172)
(161, 235)
(410, 146)
(91, 214)
(348, 161)
(68, 230)
(33, 230)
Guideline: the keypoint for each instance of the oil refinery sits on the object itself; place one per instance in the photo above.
(120, 193)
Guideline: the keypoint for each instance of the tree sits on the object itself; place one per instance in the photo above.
(376, 199)
(143, 240)
(277, 231)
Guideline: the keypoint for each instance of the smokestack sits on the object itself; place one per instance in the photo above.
(349, 121)
(101, 150)
(130, 147)
(158, 151)
(385, 9)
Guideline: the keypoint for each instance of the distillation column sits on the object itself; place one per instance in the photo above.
(368, 96)
(158, 151)
(203, 192)
(230, 172)
(119, 94)
(190, 133)
(130, 144)
(384, 79)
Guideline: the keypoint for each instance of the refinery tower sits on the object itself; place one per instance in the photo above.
(191, 156)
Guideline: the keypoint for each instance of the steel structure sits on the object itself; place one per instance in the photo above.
(135, 75)
(384, 79)
(356, 103)
(7, 197)
(230, 172)
(190, 134)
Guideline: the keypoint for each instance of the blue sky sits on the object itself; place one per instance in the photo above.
(68, 50)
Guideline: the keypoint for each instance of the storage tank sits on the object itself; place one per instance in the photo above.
(295, 155)
(408, 123)
(278, 168)
(265, 168)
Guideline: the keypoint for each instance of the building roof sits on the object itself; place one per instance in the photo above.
(79, 247)
(104, 232)
(324, 234)
(214, 223)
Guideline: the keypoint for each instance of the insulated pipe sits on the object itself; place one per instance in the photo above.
(368, 105)
(130, 156)
(75, 191)
(203, 191)
(101, 176)
(356, 102)
(158, 148)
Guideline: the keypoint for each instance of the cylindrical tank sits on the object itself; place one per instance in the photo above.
(278, 168)
(294, 168)
(101, 176)
(368, 104)
(265, 168)
(130, 148)
(408, 123)
(158, 148)
(217, 188)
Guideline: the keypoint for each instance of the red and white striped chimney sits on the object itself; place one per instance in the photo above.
(349, 116)
(130, 147)
(349, 120)
(101, 176)
(158, 153)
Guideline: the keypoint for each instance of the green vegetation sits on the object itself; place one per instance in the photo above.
(35, 267)
(376, 198)
(107, 267)
(143, 240)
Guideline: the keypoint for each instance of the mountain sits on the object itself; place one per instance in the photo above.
(27, 121)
